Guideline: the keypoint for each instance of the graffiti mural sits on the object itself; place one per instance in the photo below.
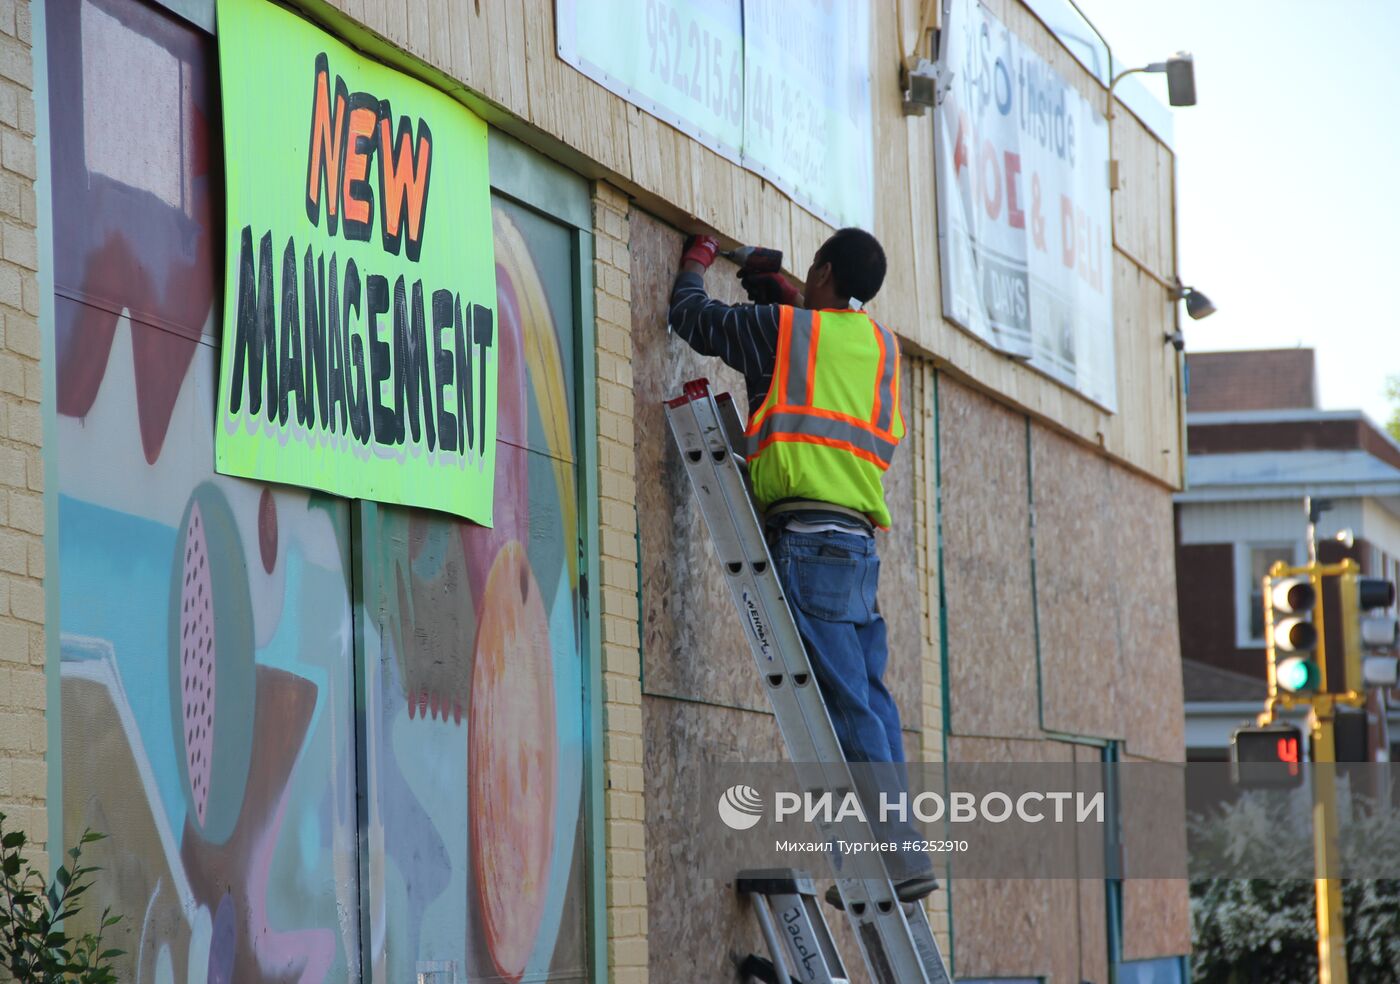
(474, 710)
(289, 795)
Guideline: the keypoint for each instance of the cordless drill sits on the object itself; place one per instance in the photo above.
(756, 259)
(760, 271)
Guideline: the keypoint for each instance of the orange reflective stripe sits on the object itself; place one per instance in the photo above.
(775, 385)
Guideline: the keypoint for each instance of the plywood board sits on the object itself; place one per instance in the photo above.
(983, 489)
(1077, 598)
(1144, 569)
(1156, 911)
(692, 645)
(698, 928)
(694, 927)
(901, 597)
(1040, 915)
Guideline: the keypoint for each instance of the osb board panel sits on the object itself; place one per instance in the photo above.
(694, 926)
(1075, 592)
(986, 565)
(697, 928)
(692, 646)
(1156, 911)
(1143, 562)
(1039, 914)
(901, 588)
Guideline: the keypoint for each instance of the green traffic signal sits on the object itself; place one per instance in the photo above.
(1298, 675)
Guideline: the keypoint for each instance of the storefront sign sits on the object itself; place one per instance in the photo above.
(807, 124)
(778, 87)
(680, 60)
(359, 342)
(1023, 206)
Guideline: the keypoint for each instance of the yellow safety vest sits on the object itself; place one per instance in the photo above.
(829, 425)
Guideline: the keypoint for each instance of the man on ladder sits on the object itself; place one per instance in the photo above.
(824, 421)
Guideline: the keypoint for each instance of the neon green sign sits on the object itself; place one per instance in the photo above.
(359, 342)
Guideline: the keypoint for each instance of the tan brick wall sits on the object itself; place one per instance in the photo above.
(624, 806)
(23, 772)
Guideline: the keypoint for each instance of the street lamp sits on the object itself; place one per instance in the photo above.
(1181, 78)
(1180, 70)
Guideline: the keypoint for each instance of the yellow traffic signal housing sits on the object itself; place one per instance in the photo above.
(1295, 638)
(1293, 632)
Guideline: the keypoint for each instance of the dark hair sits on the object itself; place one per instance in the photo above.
(857, 263)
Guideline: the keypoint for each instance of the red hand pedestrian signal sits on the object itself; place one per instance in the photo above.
(1288, 752)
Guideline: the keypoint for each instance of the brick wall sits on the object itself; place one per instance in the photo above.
(624, 805)
(23, 773)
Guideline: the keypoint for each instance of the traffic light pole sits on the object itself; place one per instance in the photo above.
(1331, 933)
(1331, 929)
(1296, 657)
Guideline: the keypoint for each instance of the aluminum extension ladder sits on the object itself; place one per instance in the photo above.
(894, 938)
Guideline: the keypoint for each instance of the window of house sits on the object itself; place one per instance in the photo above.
(1252, 562)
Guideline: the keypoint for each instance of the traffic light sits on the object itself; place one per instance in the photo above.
(1292, 637)
(1369, 631)
(1267, 757)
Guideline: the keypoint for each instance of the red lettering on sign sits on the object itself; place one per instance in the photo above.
(1014, 213)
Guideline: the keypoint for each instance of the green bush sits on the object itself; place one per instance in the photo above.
(33, 945)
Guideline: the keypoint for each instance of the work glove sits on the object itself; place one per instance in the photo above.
(701, 249)
(770, 288)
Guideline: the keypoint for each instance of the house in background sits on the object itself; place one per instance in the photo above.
(1257, 444)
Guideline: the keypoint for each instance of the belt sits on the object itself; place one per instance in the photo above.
(812, 510)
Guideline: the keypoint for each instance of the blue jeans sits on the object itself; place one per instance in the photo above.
(830, 580)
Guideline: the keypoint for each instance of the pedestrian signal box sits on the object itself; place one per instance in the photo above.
(1270, 757)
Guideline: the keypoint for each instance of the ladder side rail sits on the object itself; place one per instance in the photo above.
(767, 926)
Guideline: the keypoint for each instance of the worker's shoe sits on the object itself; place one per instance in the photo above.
(909, 890)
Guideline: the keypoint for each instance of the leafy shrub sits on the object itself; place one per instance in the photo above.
(34, 947)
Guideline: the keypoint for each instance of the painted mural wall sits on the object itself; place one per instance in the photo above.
(328, 740)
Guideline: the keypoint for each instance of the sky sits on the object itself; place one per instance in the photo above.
(1288, 175)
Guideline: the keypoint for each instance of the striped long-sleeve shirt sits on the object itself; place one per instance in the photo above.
(744, 336)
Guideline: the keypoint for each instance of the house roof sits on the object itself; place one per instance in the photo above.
(1262, 379)
(1205, 682)
(1290, 474)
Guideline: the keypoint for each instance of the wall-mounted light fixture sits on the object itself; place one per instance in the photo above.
(1198, 305)
(1180, 70)
(922, 84)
